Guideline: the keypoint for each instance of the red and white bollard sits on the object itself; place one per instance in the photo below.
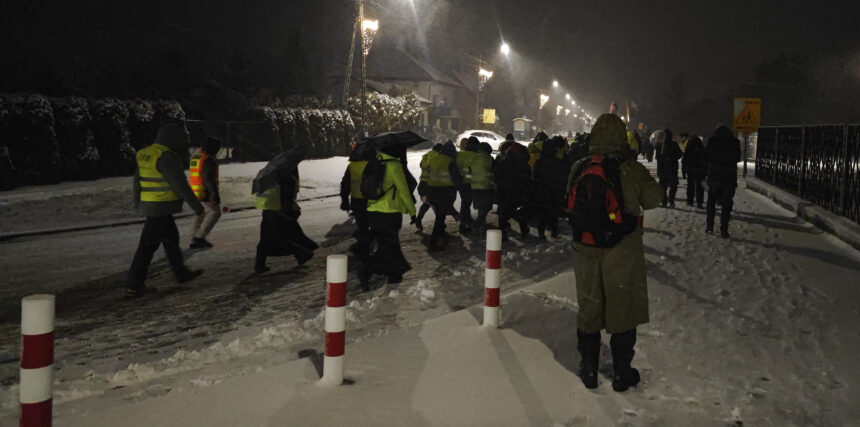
(492, 278)
(37, 359)
(335, 319)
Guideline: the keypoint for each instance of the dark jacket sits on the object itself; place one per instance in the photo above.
(667, 159)
(210, 178)
(723, 154)
(550, 175)
(694, 161)
(513, 175)
(579, 149)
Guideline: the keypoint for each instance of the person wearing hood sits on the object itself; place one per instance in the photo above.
(695, 164)
(443, 180)
(723, 153)
(280, 232)
(535, 147)
(550, 175)
(351, 198)
(386, 218)
(465, 159)
(667, 167)
(513, 175)
(483, 186)
(160, 188)
(611, 281)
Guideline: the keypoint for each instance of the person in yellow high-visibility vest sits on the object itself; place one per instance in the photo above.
(353, 200)
(280, 232)
(159, 191)
(203, 177)
(444, 179)
(465, 158)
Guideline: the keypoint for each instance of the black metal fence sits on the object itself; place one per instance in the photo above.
(818, 163)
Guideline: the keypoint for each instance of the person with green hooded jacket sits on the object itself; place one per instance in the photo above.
(611, 282)
(385, 216)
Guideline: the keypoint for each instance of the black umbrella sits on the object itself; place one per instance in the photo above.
(406, 138)
(276, 170)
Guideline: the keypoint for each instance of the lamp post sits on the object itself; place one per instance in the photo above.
(368, 31)
(484, 75)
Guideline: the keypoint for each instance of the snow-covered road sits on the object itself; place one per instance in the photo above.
(763, 325)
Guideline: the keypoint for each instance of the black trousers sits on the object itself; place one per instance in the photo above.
(388, 258)
(157, 231)
(442, 199)
(362, 227)
(670, 186)
(483, 200)
(466, 204)
(724, 194)
(695, 191)
(423, 211)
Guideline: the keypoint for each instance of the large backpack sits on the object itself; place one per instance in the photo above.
(371, 179)
(596, 204)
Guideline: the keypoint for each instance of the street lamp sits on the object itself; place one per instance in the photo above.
(567, 96)
(484, 75)
(505, 49)
(543, 100)
(558, 110)
(555, 83)
(369, 28)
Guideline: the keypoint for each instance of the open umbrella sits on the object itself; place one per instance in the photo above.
(277, 169)
(406, 138)
(362, 152)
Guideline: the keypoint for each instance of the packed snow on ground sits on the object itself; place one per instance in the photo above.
(759, 329)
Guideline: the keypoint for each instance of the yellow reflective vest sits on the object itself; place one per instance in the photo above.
(440, 171)
(356, 171)
(465, 159)
(269, 200)
(153, 186)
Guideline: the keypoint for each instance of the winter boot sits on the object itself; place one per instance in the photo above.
(139, 291)
(260, 264)
(622, 355)
(589, 350)
(724, 234)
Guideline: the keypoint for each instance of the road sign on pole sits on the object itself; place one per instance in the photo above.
(489, 115)
(747, 114)
(747, 119)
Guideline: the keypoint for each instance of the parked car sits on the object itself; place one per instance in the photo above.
(489, 137)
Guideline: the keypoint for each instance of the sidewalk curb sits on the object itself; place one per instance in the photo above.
(50, 231)
(839, 226)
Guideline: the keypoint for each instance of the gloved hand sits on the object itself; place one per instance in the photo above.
(344, 204)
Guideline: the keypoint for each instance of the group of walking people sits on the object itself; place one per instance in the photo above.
(596, 183)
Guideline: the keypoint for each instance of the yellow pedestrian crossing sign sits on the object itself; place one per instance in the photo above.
(747, 114)
(489, 115)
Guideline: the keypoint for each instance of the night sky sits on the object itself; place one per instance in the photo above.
(599, 51)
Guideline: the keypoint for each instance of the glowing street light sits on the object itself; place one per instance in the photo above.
(484, 76)
(558, 110)
(567, 96)
(369, 27)
(543, 100)
(505, 49)
(555, 83)
(567, 111)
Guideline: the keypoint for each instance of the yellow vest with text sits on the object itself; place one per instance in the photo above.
(153, 186)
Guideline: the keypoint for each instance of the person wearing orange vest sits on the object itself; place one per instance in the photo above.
(159, 191)
(203, 178)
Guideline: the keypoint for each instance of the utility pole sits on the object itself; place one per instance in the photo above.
(356, 26)
(478, 93)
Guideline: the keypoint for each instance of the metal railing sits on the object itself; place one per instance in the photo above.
(818, 163)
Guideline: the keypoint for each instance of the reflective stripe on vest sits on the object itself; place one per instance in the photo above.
(425, 165)
(356, 171)
(465, 160)
(153, 186)
(269, 200)
(440, 173)
(195, 178)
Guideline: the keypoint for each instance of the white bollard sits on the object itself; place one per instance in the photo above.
(335, 319)
(492, 278)
(37, 360)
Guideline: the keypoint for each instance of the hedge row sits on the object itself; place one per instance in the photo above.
(321, 132)
(47, 140)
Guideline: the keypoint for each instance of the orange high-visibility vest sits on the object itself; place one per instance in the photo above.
(196, 179)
